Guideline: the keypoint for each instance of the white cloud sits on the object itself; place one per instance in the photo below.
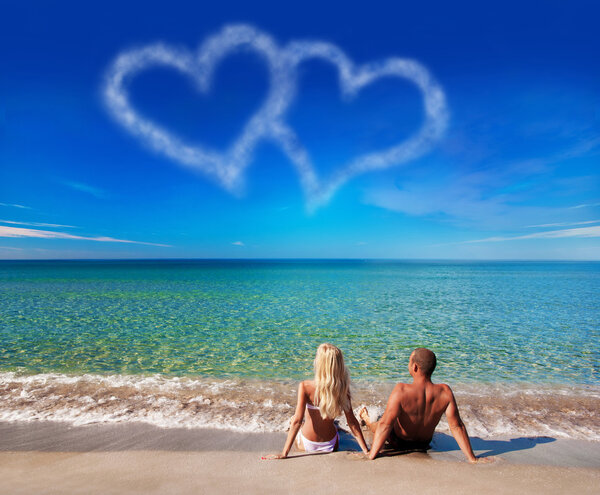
(16, 206)
(268, 122)
(352, 79)
(562, 224)
(588, 205)
(226, 167)
(37, 224)
(551, 234)
(454, 200)
(238, 243)
(489, 196)
(49, 234)
(78, 186)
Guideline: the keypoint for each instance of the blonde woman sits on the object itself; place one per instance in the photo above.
(323, 399)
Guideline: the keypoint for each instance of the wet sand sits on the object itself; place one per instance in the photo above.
(39, 457)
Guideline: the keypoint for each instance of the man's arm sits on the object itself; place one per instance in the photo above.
(458, 428)
(386, 423)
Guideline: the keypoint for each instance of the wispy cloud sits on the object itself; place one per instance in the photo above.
(49, 234)
(86, 188)
(37, 224)
(588, 205)
(16, 206)
(238, 243)
(562, 224)
(495, 196)
(268, 123)
(463, 202)
(550, 234)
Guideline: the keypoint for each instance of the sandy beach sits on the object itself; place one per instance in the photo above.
(160, 377)
(45, 457)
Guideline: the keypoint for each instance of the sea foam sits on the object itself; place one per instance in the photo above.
(488, 410)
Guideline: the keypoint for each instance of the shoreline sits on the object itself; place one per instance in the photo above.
(247, 405)
(47, 436)
(44, 457)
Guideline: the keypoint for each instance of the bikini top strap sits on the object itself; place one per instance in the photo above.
(311, 406)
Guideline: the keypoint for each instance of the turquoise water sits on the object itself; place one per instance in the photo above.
(487, 322)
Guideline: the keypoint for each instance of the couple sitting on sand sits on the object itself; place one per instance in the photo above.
(411, 415)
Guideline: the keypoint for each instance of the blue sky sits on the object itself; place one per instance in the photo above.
(514, 175)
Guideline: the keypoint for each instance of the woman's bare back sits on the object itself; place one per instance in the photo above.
(315, 428)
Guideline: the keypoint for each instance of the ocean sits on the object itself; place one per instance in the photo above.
(223, 344)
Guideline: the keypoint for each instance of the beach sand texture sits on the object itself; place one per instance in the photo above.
(41, 457)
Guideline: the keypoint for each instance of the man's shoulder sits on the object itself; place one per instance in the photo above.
(400, 388)
(443, 389)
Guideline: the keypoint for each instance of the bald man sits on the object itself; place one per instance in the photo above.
(415, 409)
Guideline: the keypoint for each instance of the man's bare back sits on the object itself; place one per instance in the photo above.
(421, 407)
(414, 410)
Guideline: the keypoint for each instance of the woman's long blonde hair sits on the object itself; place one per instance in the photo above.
(332, 382)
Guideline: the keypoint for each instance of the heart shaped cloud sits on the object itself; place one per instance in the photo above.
(226, 167)
(268, 121)
(352, 79)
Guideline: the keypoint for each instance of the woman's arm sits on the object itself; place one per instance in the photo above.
(295, 424)
(356, 430)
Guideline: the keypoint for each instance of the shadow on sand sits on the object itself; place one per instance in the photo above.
(445, 443)
(349, 443)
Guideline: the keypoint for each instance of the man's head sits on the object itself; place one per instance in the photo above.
(422, 361)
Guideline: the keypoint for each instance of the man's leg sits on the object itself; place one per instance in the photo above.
(364, 415)
(393, 441)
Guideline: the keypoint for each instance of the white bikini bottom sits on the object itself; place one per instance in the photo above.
(310, 446)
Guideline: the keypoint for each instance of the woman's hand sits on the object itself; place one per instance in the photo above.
(272, 457)
(357, 456)
(483, 460)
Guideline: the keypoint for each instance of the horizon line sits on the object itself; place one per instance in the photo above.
(313, 259)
